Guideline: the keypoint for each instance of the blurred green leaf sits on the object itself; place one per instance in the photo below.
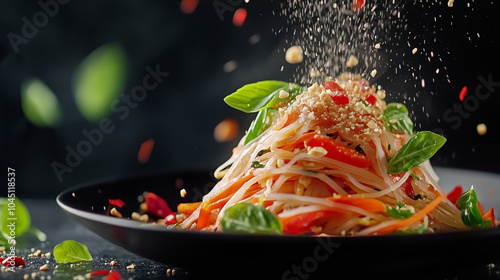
(15, 213)
(99, 80)
(40, 105)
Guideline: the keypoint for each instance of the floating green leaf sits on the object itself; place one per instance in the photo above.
(99, 81)
(71, 251)
(13, 215)
(39, 104)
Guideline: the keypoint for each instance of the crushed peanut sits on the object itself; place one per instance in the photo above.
(112, 263)
(183, 193)
(414, 51)
(317, 151)
(450, 3)
(44, 267)
(373, 73)
(481, 129)
(132, 266)
(352, 61)
(283, 94)
(115, 213)
(294, 55)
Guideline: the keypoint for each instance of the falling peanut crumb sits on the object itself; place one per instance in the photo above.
(352, 61)
(169, 272)
(44, 267)
(481, 129)
(34, 275)
(112, 263)
(132, 266)
(183, 193)
(115, 213)
(294, 55)
(26, 276)
(450, 3)
(414, 51)
(373, 73)
(144, 207)
(377, 46)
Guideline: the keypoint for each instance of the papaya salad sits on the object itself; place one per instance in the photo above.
(330, 159)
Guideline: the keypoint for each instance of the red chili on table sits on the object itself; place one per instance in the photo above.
(116, 202)
(17, 261)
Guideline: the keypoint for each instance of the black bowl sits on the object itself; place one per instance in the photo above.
(278, 257)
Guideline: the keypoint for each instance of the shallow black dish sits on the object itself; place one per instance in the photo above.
(281, 257)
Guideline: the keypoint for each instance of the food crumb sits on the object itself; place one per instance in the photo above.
(450, 3)
(283, 94)
(34, 275)
(183, 193)
(373, 73)
(44, 267)
(144, 218)
(481, 129)
(73, 194)
(352, 61)
(112, 263)
(26, 276)
(169, 272)
(377, 46)
(294, 55)
(136, 216)
(414, 51)
(115, 213)
(226, 130)
(132, 266)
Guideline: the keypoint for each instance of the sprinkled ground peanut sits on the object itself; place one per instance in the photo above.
(414, 51)
(144, 218)
(294, 55)
(450, 3)
(115, 213)
(112, 263)
(136, 216)
(373, 73)
(183, 193)
(352, 61)
(132, 266)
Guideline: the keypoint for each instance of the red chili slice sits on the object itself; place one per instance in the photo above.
(17, 261)
(333, 86)
(371, 99)
(116, 202)
(157, 206)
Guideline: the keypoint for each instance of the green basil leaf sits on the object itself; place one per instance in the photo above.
(260, 95)
(396, 118)
(71, 251)
(399, 212)
(262, 122)
(13, 212)
(249, 218)
(471, 216)
(419, 148)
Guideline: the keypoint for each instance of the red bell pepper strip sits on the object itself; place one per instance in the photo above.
(302, 223)
(339, 152)
(455, 194)
(157, 206)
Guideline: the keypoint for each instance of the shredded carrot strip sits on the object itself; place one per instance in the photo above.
(490, 216)
(413, 219)
(431, 189)
(368, 204)
(188, 208)
(286, 120)
(299, 142)
(219, 200)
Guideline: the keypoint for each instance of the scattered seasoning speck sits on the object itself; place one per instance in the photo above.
(73, 194)
(112, 263)
(352, 61)
(183, 193)
(294, 55)
(373, 73)
(132, 266)
(414, 51)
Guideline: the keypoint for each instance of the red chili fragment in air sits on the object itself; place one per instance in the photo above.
(145, 151)
(462, 94)
(189, 6)
(239, 17)
(116, 202)
(358, 5)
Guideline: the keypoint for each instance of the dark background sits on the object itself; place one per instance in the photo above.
(180, 115)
